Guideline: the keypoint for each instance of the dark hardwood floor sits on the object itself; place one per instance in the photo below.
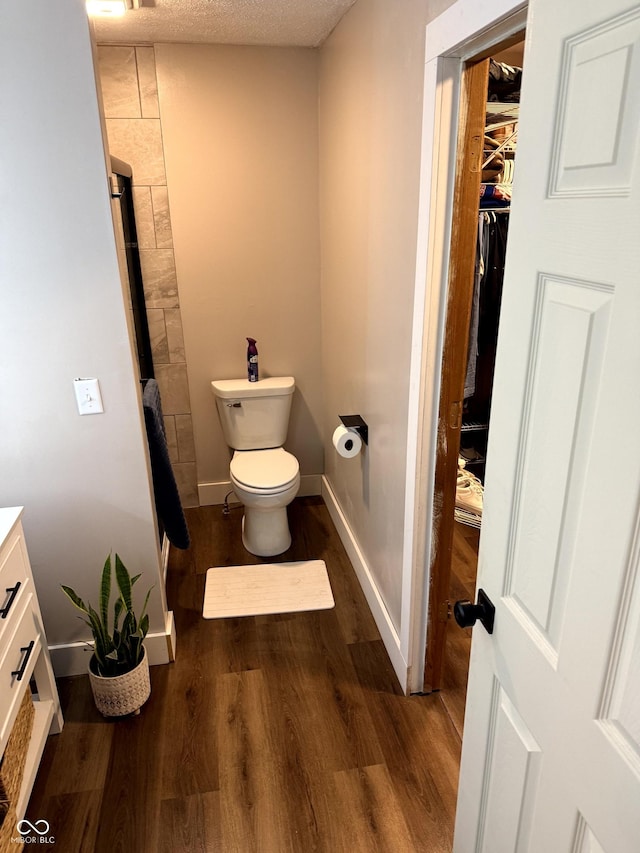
(272, 733)
(464, 568)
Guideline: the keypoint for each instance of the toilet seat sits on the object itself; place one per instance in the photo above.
(264, 472)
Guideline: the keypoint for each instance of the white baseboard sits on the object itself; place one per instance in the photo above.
(171, 638)
(388, 632)
(211, 494)
(73, 658)
(166, 547)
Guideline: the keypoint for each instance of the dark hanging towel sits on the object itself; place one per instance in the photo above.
(168, 505)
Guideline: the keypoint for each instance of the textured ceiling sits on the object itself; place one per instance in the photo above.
(302, 23)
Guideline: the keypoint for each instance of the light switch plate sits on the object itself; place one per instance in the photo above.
(88, 396)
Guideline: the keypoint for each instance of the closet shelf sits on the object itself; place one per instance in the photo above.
(473, 426)
(502, 113)
(468, 518)
(479, 461)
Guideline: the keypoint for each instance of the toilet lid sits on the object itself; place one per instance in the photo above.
(264, 469)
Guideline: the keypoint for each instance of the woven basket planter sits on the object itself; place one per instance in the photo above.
(12, 770)
(121, 694)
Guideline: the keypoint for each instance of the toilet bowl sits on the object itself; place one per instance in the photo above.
(265, 481)
(254, 417)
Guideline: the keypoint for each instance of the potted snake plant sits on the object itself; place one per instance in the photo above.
(119, 668)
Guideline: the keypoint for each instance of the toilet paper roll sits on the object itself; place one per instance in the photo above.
(346, 441)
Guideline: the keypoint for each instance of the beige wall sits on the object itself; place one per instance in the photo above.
(240, 137)
(371, 82)
(83, 480)
(130, 102)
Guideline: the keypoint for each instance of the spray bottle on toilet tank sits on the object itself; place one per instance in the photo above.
(252, 361)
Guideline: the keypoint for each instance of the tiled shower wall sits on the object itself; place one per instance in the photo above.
(130, 97)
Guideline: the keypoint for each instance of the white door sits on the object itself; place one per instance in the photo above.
(551, 750)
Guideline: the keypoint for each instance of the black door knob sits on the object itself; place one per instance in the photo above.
(467, 614)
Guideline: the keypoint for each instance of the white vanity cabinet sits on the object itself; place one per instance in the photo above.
(24, 657)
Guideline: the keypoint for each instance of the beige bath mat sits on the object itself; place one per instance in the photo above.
(267, 588)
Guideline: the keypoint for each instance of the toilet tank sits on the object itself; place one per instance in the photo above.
(254, 415)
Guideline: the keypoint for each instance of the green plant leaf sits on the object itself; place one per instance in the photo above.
(96, 625)
(144, 626)
(144, 606)
(117, 611)
(101, 661)
(103, 643)
(75, 599)
(121, 651)
(136, 650)
(129, 626)
(105, 593)
(86, 622)
(124, 583)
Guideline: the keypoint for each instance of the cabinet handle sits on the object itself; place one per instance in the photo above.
(27, 650)
(13, 590)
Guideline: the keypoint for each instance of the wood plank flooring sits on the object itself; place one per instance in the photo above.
(464, 567)
(269, 733)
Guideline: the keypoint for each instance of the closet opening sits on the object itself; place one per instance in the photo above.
(485, 165)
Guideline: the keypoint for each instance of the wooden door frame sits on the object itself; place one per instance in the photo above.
(467, 30)
(464, 229)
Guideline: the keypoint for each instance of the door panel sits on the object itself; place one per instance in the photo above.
(599, 90)
(571, 322)
(552, 729)
(511, 772)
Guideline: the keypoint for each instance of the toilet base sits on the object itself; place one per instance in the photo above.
(265, 533)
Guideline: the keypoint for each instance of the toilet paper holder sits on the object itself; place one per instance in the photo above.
(356, 422)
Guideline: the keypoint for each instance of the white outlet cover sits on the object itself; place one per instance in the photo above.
(88, 396)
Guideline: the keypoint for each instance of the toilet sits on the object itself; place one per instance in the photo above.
(265, 477)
